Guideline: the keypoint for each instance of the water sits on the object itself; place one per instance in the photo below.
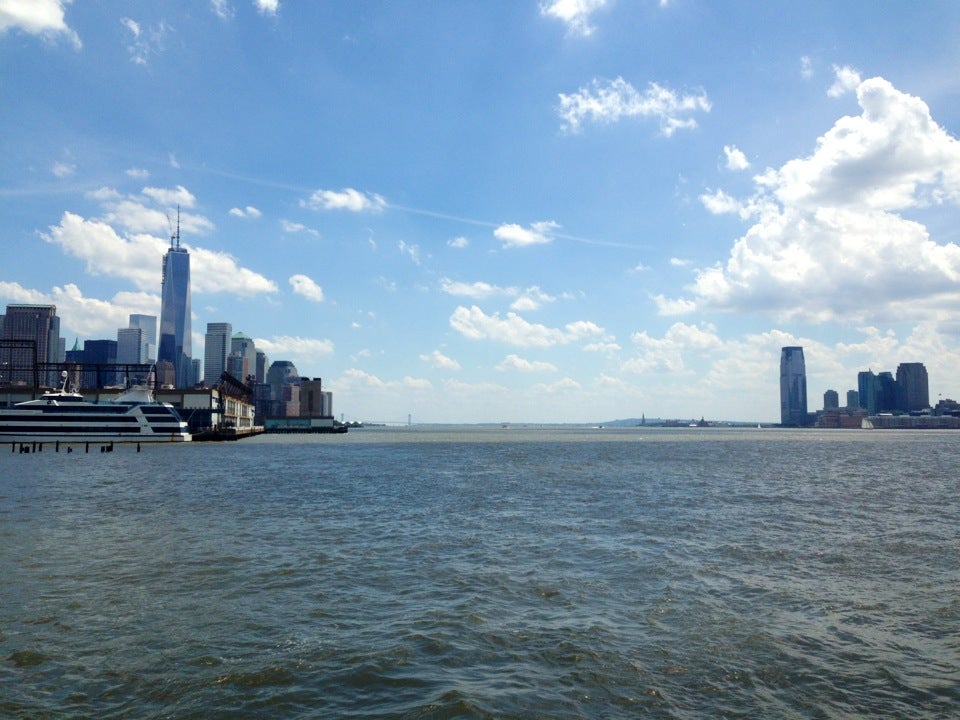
(413, 573)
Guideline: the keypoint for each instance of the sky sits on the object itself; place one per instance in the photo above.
(530, 211)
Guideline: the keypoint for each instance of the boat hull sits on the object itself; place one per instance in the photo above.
(90, 422)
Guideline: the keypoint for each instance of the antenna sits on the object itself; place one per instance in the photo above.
(174, 236)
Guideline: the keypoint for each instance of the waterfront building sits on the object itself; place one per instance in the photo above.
(175, 339)
(281, 375)
(31, 334)
(913, 389)
(242, 362)
(216, 349)
(262, 364)
(314, 400)
(831, 400)
(853, 399)
(793, 387)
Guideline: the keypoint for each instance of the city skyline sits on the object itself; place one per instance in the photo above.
(539, 212)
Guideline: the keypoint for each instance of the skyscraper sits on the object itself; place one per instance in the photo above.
(147, 323)
(216, 349)
(913, 387)
(175, 346)
(37, 327)
(793, 387)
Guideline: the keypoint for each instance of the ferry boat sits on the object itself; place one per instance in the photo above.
(65, 416)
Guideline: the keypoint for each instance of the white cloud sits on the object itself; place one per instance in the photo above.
(438, 360)
(533, 298)
(62, 169)
(144, 42)
(846, 80)
(574, 13)
(806, 67)
(292, 228)
(475, 324)
(304, 286)
(666, 354)
(247, 212)
(346, 199)
(267, 7)
(458, 242)
(607, 102)
(513, 235)
(736, 160)
(477, 290)
(411, 251)
(171, 197)
(294, 348)
(222, 8)
(86, 316)
(38, 17)
(137, 257)
(828, 240)
(137, 173)
(515, 362)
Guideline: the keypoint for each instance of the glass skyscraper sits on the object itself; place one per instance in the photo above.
(175, 346)
(216, 349)
(793, 387)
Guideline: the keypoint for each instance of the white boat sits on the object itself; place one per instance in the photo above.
(65, 416)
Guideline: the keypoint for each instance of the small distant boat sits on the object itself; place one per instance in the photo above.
(65, 416)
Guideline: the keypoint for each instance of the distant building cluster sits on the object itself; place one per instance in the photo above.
(880, 400)
(32, 354)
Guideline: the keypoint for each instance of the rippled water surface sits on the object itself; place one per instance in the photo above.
(439, 573)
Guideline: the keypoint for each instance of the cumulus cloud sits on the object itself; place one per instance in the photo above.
(294, 227)
(346, 199)
(137, 173)
(438, 360)
(458, 242)
(267, 7)
(38, 17)
(512, 329)
(305, 287)
(513, 235)
(575, 14)
(666, 354)
(477, 290)
(846, 79)
(86, 316)
(736, 160)
(829, 240)
(295, 348)
(806, 67)
(609, 101)
(137, 257)
(246, 212)
(515, 362)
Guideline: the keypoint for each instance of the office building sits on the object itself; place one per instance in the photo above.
(131, 346)
(831, 400)
(147, 323)
(175, 341)
(913, 389)
(216, 350)
(31, 334)
(242, 362)
(793, 387)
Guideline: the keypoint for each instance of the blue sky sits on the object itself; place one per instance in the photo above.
(528, 211)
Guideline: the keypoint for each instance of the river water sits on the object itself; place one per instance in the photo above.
(486, 573)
